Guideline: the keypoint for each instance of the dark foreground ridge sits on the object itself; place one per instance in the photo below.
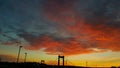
(35, 65)
(31, 65)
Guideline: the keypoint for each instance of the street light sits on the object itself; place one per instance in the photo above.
(19, 53)
(25, 57)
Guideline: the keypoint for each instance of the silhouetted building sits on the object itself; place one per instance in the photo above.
(60, 57)
(42, 62)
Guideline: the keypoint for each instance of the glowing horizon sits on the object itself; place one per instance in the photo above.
(94, 59)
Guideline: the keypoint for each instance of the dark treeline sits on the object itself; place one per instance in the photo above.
(30, 65)
(34, 65)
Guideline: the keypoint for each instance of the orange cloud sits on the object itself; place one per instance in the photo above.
(86, 34)
(56, 47)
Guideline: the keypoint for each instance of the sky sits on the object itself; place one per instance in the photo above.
(81, 30)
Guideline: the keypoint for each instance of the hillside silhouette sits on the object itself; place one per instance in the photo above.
(31, 65)
(38, 65)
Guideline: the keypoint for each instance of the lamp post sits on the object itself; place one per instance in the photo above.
(25, 57)
(19, 53)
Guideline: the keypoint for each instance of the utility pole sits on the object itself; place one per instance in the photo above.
(19, 53)
(25, 57)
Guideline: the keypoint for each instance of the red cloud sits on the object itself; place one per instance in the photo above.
(87, 34)
(84, 40)
(52, 46)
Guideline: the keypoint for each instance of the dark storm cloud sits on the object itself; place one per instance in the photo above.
(100, 12)
(95, 12)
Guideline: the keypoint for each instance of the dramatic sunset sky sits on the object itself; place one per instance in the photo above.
(82, 30)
